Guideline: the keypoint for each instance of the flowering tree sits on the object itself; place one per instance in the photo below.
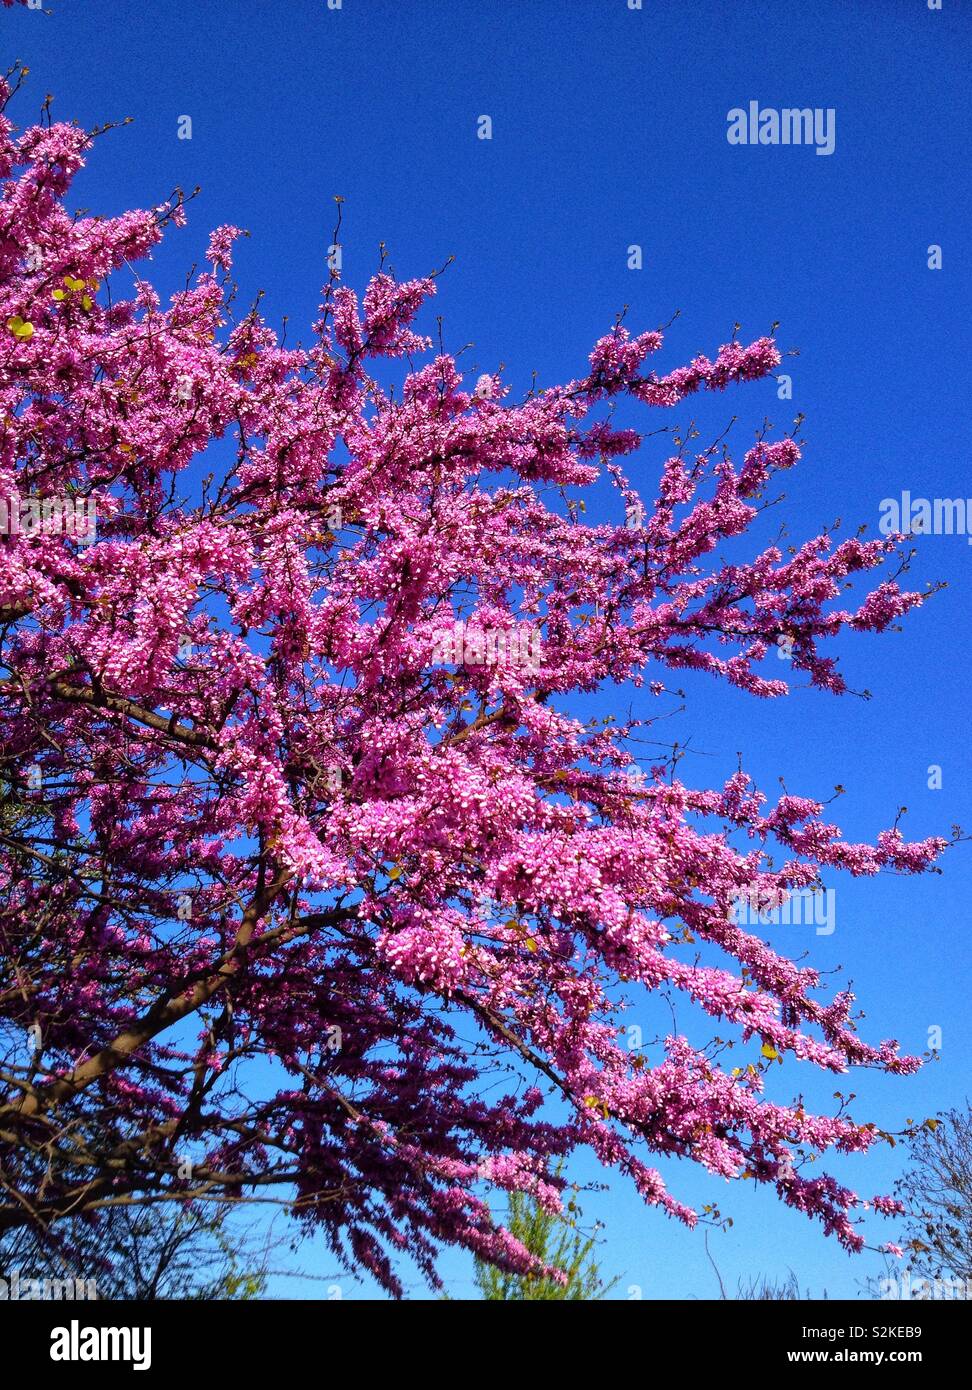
(302, 849)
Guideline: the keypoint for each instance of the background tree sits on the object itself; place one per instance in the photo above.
(553, 1238)
(143, 1253)
(319, 844)
(936, 1191)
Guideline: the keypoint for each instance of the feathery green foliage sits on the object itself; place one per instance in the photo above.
(557, 1241)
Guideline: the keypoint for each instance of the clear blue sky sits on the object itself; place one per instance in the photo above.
(609, 128)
